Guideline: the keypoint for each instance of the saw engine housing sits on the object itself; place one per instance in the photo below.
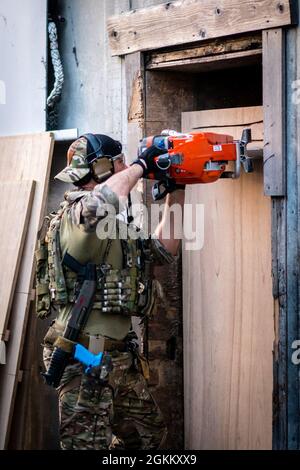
(196, 158)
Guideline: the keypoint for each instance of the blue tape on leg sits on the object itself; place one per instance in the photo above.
(87, 358)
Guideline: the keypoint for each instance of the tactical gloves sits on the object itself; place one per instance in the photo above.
(146, 159)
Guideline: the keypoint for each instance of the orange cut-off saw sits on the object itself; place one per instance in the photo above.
(196, 157)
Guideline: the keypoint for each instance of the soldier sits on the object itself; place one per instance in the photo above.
(91, 413)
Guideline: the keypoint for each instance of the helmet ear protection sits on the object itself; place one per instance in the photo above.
(100, 161)
(101, 165)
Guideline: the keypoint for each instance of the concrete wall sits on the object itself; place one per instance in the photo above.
(93, 96)
(94, 93)
(23, 55)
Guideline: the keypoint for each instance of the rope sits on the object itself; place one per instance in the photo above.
(55, 94)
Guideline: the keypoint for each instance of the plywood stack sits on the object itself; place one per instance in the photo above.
(16, 200)
(228, 305)
(24, 159)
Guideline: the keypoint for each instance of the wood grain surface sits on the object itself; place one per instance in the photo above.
(228, 311)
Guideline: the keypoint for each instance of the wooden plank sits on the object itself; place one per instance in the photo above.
(188, 21)
(134, 74)
(228, 314)
(9, 372)
(281, 351)
(230, 121)
(16, 199)
(22, 158)
(274, 109)
(33, 424)
(227, 117)
(205, 64)
(218, 47)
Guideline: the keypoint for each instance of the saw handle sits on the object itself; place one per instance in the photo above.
(164, 187)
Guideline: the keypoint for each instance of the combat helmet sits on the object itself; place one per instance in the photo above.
(91, 156)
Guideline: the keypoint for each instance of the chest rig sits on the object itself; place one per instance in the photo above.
(126, 291)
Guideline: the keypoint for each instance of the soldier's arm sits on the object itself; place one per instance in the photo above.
(165, 231)
(121, 183)
(117, 188)
(111, 194)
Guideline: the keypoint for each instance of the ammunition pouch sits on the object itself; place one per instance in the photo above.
(125, 291)
(43, 301)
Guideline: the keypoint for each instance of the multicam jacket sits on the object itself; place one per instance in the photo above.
(125, 286)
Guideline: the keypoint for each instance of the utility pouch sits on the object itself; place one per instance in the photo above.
(89, 393)
(92, 384)
(43, 300)
(51, 286)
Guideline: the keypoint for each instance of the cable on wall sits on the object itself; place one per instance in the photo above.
(56, 92)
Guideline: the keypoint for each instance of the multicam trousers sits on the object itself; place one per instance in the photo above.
(91, 414)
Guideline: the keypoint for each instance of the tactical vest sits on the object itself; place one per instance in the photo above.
(126, 291)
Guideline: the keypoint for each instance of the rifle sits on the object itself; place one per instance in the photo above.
(79, 316)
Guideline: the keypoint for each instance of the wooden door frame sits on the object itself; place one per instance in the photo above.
(281, 183)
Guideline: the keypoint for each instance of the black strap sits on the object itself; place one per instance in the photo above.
(74, 265)
(96, 146)
(129, 210)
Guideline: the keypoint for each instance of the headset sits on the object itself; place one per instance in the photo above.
(101, 164)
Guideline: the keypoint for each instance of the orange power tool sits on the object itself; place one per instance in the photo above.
(197, 157)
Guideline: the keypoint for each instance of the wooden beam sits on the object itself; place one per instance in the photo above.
(134, 72)
(205, 64)
(280, 356)
(274, 109)
(187, 21)
(212, 49)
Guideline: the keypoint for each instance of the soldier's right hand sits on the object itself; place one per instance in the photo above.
(146, 159)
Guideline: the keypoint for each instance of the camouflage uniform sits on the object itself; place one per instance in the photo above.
(91, 414)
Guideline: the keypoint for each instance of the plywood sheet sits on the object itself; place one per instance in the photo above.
(22, 158)
(16, 200)
(230, 121)
(228, 313)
